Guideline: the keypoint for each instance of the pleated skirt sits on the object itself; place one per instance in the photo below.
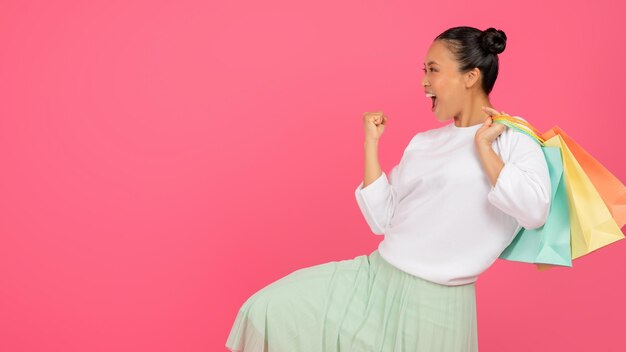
(363, 304)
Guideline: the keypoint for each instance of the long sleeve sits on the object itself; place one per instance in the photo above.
(523, 187)
(378, 201)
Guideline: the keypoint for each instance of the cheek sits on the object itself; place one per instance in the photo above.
(453, 92)
(444, 86)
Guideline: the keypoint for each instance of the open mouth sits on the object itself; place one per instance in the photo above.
(434, 100)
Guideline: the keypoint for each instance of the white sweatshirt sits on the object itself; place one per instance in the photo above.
(441, 218)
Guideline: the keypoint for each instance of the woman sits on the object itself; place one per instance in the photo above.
(448, 209)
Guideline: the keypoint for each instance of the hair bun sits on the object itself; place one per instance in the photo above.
(493, 40)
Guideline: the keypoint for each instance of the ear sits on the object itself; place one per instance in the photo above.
(472, 77)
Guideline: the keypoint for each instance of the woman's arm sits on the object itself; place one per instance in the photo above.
(492, 164)
(376, 195)
(522, 185)
(372, 165)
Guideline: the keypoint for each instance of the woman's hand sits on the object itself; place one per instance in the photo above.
(489, 131)
(374, 124)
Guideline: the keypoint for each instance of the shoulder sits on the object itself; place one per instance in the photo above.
(513, 141)
(428, 134)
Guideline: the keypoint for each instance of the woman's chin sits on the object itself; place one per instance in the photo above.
(439, 116)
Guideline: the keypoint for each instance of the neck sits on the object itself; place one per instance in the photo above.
(472, 113)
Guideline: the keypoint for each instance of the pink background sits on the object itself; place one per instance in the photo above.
(162, 161)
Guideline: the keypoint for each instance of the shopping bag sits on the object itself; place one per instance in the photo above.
(592, 225)
(611, 189)
(550, 243)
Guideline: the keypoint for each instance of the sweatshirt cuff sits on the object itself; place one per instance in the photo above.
(370, 200)
(375, 192)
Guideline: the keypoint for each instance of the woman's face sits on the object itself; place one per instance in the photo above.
(443, 79)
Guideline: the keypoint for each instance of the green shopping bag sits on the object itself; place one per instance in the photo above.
(550, 243)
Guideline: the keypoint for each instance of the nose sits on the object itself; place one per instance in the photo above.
(424, 82)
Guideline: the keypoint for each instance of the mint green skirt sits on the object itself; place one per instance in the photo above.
(363, 304)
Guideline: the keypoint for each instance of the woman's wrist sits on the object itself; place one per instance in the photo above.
(491, 162)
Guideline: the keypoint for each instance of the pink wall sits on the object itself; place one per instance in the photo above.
(162, 162)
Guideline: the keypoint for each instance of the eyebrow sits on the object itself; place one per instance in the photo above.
(431, 62)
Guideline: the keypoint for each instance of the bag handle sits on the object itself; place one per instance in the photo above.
(520, 125)
(520, 121)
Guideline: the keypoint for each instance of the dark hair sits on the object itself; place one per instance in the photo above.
(475, 48)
